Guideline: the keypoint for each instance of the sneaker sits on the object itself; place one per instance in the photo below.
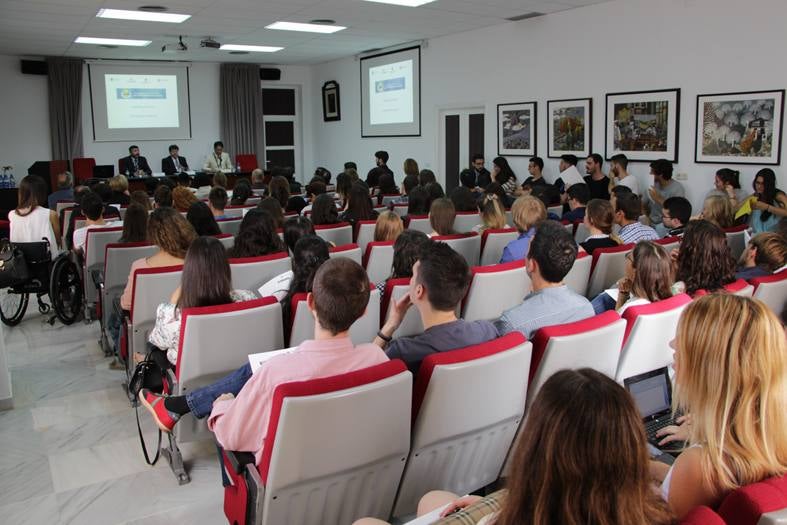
(155, 404)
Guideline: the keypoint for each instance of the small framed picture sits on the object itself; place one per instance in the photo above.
(740, 128)
(516, 129)
(643, 125)
(569, 127)
(331, 109)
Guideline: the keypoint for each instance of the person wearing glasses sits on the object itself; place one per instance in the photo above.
(219, 160)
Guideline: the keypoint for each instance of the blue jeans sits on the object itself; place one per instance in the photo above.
(201, 400)
(602, 302)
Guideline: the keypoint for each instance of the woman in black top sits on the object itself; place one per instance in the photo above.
(598, 221)
(359, 205)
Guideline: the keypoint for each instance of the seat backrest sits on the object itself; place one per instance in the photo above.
(494, 289)
(336, 447)
(118, 258)
(248, 162)
(83, 168)
(96, 242)
(226, 239)
(649, 330)
(351, 251)
(419, 223)
(702, 516)
(772, 290)
(466, 220)
(151, 287)
(234, 212)
(467, 406)
(578, 276)
(363, 330)
(609, 265)
(466, 244)
(557, 210)
(737, 287)
(395, 289)
(249, 273)
(378, 260)
(669, 243)
(493, 242)
(760, 503)
(400, 209)
(581, 233)
(230, 225)
(593, 343)
(339, 234)
(736, 240)
(388, 198)
(62, 205)
(364, 233)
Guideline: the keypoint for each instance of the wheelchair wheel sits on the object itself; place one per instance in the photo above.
(65, 290)
(13, 306)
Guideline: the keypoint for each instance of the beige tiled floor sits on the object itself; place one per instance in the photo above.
(69, 451)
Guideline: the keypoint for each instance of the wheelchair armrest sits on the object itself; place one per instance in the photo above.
(239, 460)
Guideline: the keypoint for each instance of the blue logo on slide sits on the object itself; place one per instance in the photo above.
(391, 84)
(141, 93)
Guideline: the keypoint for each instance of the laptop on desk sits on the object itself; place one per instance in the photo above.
(652, 393)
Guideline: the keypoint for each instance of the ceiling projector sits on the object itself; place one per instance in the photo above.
(209, 42)
(174, 48)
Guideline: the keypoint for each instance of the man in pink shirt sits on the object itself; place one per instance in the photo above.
(239, 405)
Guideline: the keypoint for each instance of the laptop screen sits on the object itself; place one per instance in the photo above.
(651, 392)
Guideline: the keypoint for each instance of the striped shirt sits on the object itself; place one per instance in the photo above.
(636, 232)
(472, 514)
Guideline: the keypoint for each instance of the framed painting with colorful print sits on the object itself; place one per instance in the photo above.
(516, 129)
(331, 109)
(643, 125)
(740, 128)
(569, 127)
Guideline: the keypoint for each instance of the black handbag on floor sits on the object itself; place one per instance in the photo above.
(149, 375)
(13, 266)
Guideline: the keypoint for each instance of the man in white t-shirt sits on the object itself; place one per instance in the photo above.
(569, 174)
(618, 176)
(93, 208)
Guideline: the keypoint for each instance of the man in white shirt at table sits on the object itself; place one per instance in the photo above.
(219, 160)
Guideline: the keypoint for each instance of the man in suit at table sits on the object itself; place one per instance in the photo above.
(174, 163)
(135, 165)
(219, 160)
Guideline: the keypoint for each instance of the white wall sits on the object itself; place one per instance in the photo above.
(700, 46)
(24, 117)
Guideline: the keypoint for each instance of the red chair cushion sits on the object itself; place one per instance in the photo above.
(746, 505)
(631, 314)
(702, 516)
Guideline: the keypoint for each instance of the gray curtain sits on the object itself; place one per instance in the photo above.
(65, 107)
(241, 109)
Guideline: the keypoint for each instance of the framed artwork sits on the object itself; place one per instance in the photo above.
(331, 109)
(643, 125)
(740, 128)
(569, 126)
(516, 129)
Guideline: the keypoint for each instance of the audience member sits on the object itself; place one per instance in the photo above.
(258, 179)
(119, 186)
(717, 209)
(675, 214)
(201, 218)
(314, 189)
(504, 175)
(426, 176)
(103, 190)
(569, 174)
(435, 191)
(526, 212)
(770, 203)
(93, 209)
(359, 205)
(727, 184)
(162, 197)
(381, 160)
(256, 236)
(279, 189)
(273, 207)
(388, 228)
(408, 184)
(295, 228)
(535, 168)
(627, 210)
(241, 192)
(182, 199)
(206, 281)
(135, 224)
(406, 249)
(373, 177)
(439, 283)
(550, 196)
(464, 200)
(597, 182)
(480, 175)
(731, 381)
(441, 217)
(618, 190)
(324, 174)
(31, 221)
(598, 221)
(704, 261)
(343, 185)
(664, 187)
(619, 176)
(417, 201)
(766, 254)
(324, 210)
(217, 202)
(578, 197)
(141, 198)
(387, 186)
(551, 256)
(493, 216)
(64, 192)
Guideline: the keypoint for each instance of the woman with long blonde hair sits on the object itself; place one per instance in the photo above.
(493, 215)
(731, 381)
(717, 210)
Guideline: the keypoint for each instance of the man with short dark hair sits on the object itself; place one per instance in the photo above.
(217, 201)
(619, 176)
(439, 283)
(481, 176)
(551, 256)
(134, 165)
(93, 209)
(664, 187)
(381, 162)
(627, 210)
(578, 197)
(218, 161)
(65, 190)
(675, 214)
(174, 163)
(597, 182)
(535, 168)
(338, 298)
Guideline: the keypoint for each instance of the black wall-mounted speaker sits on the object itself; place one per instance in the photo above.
(270, 73)
(34, 67)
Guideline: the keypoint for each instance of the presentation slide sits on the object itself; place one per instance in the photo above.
(141, 101)
(390, 94)
(132, 102)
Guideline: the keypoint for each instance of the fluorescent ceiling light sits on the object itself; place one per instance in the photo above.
(111, 41)
(406, 3)
(242, 47)
(146, 16)
(308, 28)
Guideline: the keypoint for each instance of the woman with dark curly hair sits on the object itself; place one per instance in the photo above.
(257, 236)
(324, 210)
(704, 260)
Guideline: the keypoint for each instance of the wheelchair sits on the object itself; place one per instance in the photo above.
(59, 279)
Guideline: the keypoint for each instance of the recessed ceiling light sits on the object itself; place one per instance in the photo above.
(111, 41)
(145, 16)
(322, 21)
(406, 3)
(242, 47)
(308, 28)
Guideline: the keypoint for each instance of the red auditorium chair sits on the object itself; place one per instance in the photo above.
(493, 242)
(419, 223)
(739, 287)
(578, 276)
(649, 330)
(702, 516)
(494, 289)
(339, 234)
(335, 451)
(229, 225)
(395, 289)
(248, 162)
(772, 290)
(363, 330)
(364, 233)
(83, 169)
(226, 239)
(233, 328)
(56, 167)
(249, 273)
(669, 243)
(736, 240)
(468, 245)
(378, 260)
(467, 406)
(465, 221)
(351, 251)
(609, 265)
(763, 503)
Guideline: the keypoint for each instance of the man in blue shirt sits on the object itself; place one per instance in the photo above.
(578, 197)
(552, 254)
(627, 211)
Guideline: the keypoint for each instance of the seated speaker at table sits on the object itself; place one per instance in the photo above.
(134, 164)
(174, 163)
(219, 160)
